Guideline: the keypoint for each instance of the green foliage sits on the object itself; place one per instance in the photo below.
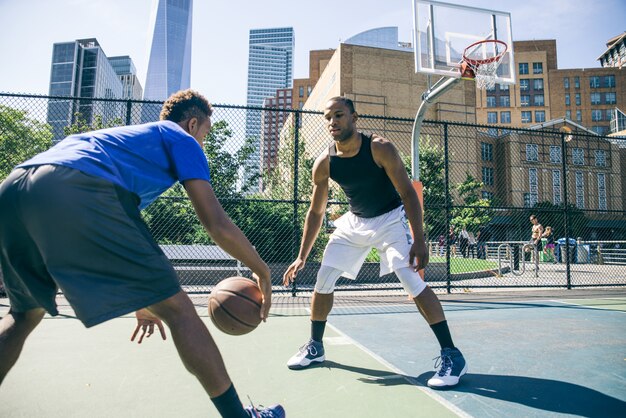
(21, 138)
(476, 211)
(224, 165)
(80, 125)
(432, 164)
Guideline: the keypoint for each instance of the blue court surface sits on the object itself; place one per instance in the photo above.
(547, 354)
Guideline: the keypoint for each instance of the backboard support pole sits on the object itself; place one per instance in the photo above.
(430, 96)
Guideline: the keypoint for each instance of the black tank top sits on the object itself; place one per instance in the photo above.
(369, 190)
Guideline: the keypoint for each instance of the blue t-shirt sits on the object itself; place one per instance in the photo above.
(144, 159)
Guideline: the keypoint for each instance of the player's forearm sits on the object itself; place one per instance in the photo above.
(312, 225)
(415, 215)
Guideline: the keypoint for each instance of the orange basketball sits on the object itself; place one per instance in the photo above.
(235, 305)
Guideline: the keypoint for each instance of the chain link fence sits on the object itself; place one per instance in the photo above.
(481, 184)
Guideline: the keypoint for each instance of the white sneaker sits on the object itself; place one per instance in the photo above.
(311, 352)
(452, 366)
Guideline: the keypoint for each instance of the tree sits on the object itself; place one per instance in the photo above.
(475, 211)
(432, 164)
(21, 137)
(80, 125)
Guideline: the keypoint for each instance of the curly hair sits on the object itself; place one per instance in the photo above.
(186, 104)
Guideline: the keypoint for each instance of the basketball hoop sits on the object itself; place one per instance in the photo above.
(480, 62)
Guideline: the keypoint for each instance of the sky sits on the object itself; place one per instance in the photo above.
(28, 28)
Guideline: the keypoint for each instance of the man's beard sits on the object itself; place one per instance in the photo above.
(344, 136)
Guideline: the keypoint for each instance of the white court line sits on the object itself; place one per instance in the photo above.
(588, 306)
(403, 375)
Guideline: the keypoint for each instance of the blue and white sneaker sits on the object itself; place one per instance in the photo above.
(274, 411)
(311, 352)
(451, 366)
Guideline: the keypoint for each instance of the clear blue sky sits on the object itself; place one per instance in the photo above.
(28, 28)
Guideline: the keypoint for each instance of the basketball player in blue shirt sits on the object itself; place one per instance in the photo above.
(381, 197)
(70, 219)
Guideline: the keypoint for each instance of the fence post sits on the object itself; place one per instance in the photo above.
(296, 149)
(447, 194)
(129, 108)
(568, 277)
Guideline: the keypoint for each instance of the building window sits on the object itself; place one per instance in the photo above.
(578, 156)
(487, 195)
(533, 186)
(600, 158)
(579, 116)
(596, 115)
(568, 114)
(301, 91)
(556, 187)
(566, 82)
(595, 98)
(609, 80)
(488, 176)
(537, 68)
(486, 151)
(538, 99)
(527, 116)
(594, 82)
(610, 98)
(503, 87)
(524, 84)
(567, 100)
(523, 68)
(524, 100)
(609, 114)
(505, 117)
(577, 99)
(538, 84)
(601, 191)
(308, 90)
(555, 154)
(492, 117)
(532, 152)
(505, 101)
(540, 116)
(491, 101)
(576, 82)
(580, 190)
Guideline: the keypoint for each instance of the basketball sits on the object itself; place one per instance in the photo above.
(235, 305)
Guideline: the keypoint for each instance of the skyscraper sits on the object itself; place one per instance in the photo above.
(169, 68)
(270, 67)
(80, 68)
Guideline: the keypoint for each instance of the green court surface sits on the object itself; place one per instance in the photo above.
(531, 354)
(68, 371)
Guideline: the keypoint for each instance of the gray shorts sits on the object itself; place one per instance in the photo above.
(61, 228)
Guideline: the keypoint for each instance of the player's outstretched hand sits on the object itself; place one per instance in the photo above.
(266, 289)
(292, 271)
(145, 323)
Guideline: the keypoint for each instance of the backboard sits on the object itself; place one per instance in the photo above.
(442, 31)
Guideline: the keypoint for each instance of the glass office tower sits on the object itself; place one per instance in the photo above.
(270, 67)
(169, 68)
(81, 69)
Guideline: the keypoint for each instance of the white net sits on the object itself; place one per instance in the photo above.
(486, 75)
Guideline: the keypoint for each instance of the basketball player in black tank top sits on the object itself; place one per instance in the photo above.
(371, 172)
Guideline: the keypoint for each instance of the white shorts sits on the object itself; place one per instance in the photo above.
(354, 237)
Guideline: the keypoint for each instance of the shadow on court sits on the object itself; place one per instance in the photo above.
(543, 394)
